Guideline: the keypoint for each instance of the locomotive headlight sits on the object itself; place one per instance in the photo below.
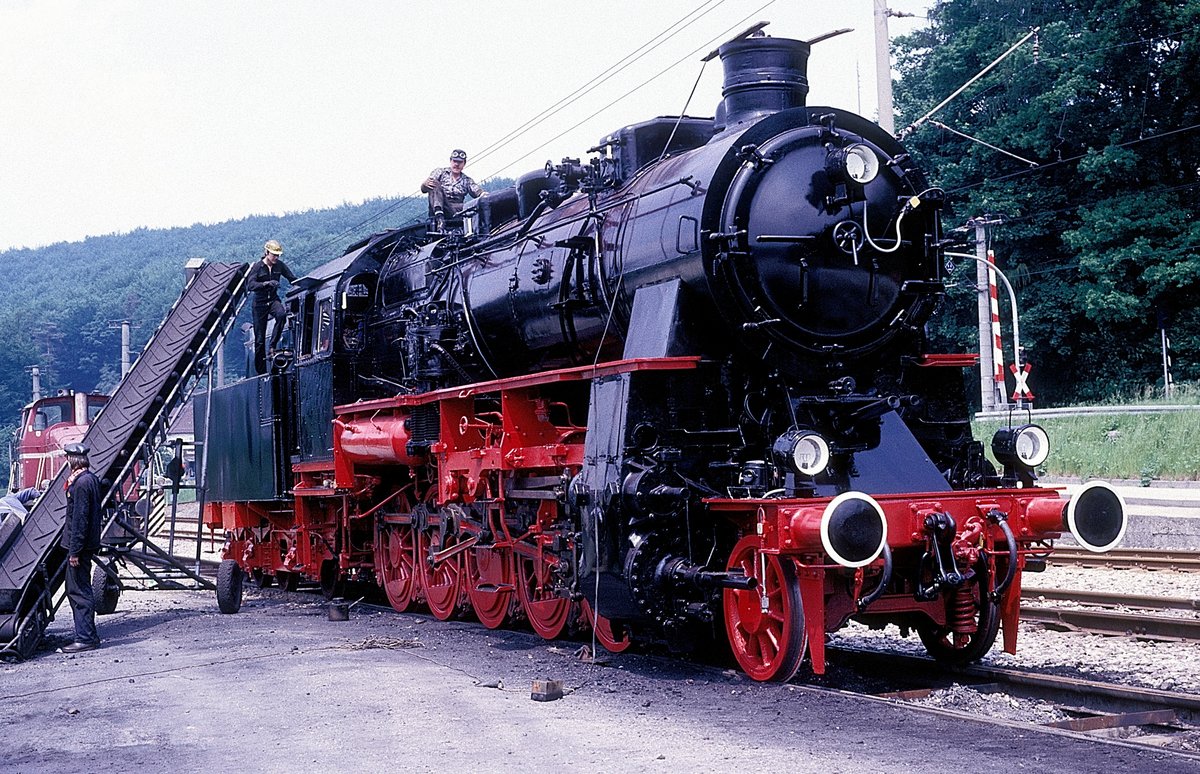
(804, 451)
(1027, 445)
(856, 162)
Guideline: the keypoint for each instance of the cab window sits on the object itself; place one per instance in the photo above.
(324, 338)
(49, 414)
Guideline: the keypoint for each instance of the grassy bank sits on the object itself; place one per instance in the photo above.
(1119, 446)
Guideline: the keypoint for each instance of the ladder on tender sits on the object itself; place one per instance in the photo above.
(33, 563)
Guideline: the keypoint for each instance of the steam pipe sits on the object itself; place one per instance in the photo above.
(876, 409)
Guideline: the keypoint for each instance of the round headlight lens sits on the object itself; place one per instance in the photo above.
(861, 163)
(804, 451)
(810, 454)
(1032, 445)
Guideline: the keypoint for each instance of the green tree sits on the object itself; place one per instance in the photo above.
(1102, 232)
(63, 301)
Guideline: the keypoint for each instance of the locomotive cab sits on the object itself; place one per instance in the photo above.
(331, 307)
(47, 425)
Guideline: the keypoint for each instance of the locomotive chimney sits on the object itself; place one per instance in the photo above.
(762, 75)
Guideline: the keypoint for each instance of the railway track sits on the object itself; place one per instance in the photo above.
(1145, 558)
(1137, 716)
(1120, 714)
(1109, 613)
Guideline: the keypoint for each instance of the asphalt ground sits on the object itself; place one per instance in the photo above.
(179, 687)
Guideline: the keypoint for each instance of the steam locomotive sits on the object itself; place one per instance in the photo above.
(678, 391)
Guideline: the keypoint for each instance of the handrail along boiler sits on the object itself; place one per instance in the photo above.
(676, 390)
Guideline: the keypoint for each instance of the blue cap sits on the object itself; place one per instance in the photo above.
(76, 450)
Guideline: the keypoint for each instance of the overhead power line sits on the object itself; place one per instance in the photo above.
(720, 37)
(1071, 159)
(670, 31)
(623, 63)
(908, 129)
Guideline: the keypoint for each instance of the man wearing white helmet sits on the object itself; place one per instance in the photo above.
(264, 287)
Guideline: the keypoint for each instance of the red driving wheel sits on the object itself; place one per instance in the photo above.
(606, 633)
(442, 581)
(395, 561)
(548, 613)
(490, 584)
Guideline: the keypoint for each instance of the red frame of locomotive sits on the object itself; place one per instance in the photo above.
(396, 541)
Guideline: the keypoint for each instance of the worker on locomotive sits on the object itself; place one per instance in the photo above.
(447, 188)
(263, 285)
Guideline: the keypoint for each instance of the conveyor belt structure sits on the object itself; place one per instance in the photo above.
(32, 560)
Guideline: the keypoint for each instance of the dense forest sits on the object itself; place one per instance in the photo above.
(1097, 217)
(64, 303)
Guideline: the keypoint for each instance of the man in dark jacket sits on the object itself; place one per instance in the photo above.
(82, 540)
(263, 284)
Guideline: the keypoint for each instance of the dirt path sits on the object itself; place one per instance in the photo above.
(179, 687)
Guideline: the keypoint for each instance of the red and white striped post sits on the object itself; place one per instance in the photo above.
(997, 343)
(991, 361)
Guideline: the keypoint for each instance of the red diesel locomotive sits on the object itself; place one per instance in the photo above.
(678, 391)
(47, 425)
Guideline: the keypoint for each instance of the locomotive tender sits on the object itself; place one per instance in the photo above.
(675, 391)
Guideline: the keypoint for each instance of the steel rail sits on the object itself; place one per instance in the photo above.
(1080, 411)
(1183, 561)
(1111, 622)
(1092, 706)
(1108, 599)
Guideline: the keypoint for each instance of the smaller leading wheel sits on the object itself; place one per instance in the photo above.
(229, 586)
(765, 624)
(973, 621)
(548, 613)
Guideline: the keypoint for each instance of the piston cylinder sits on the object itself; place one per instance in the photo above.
(374, 440)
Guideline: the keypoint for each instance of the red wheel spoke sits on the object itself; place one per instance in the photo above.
(394, 565)
(605, 630)
(765, 647)
(443, 582)
(490, 585)
(768, 644)
(548, 613)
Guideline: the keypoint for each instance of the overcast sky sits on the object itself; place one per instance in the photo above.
(115, 115)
